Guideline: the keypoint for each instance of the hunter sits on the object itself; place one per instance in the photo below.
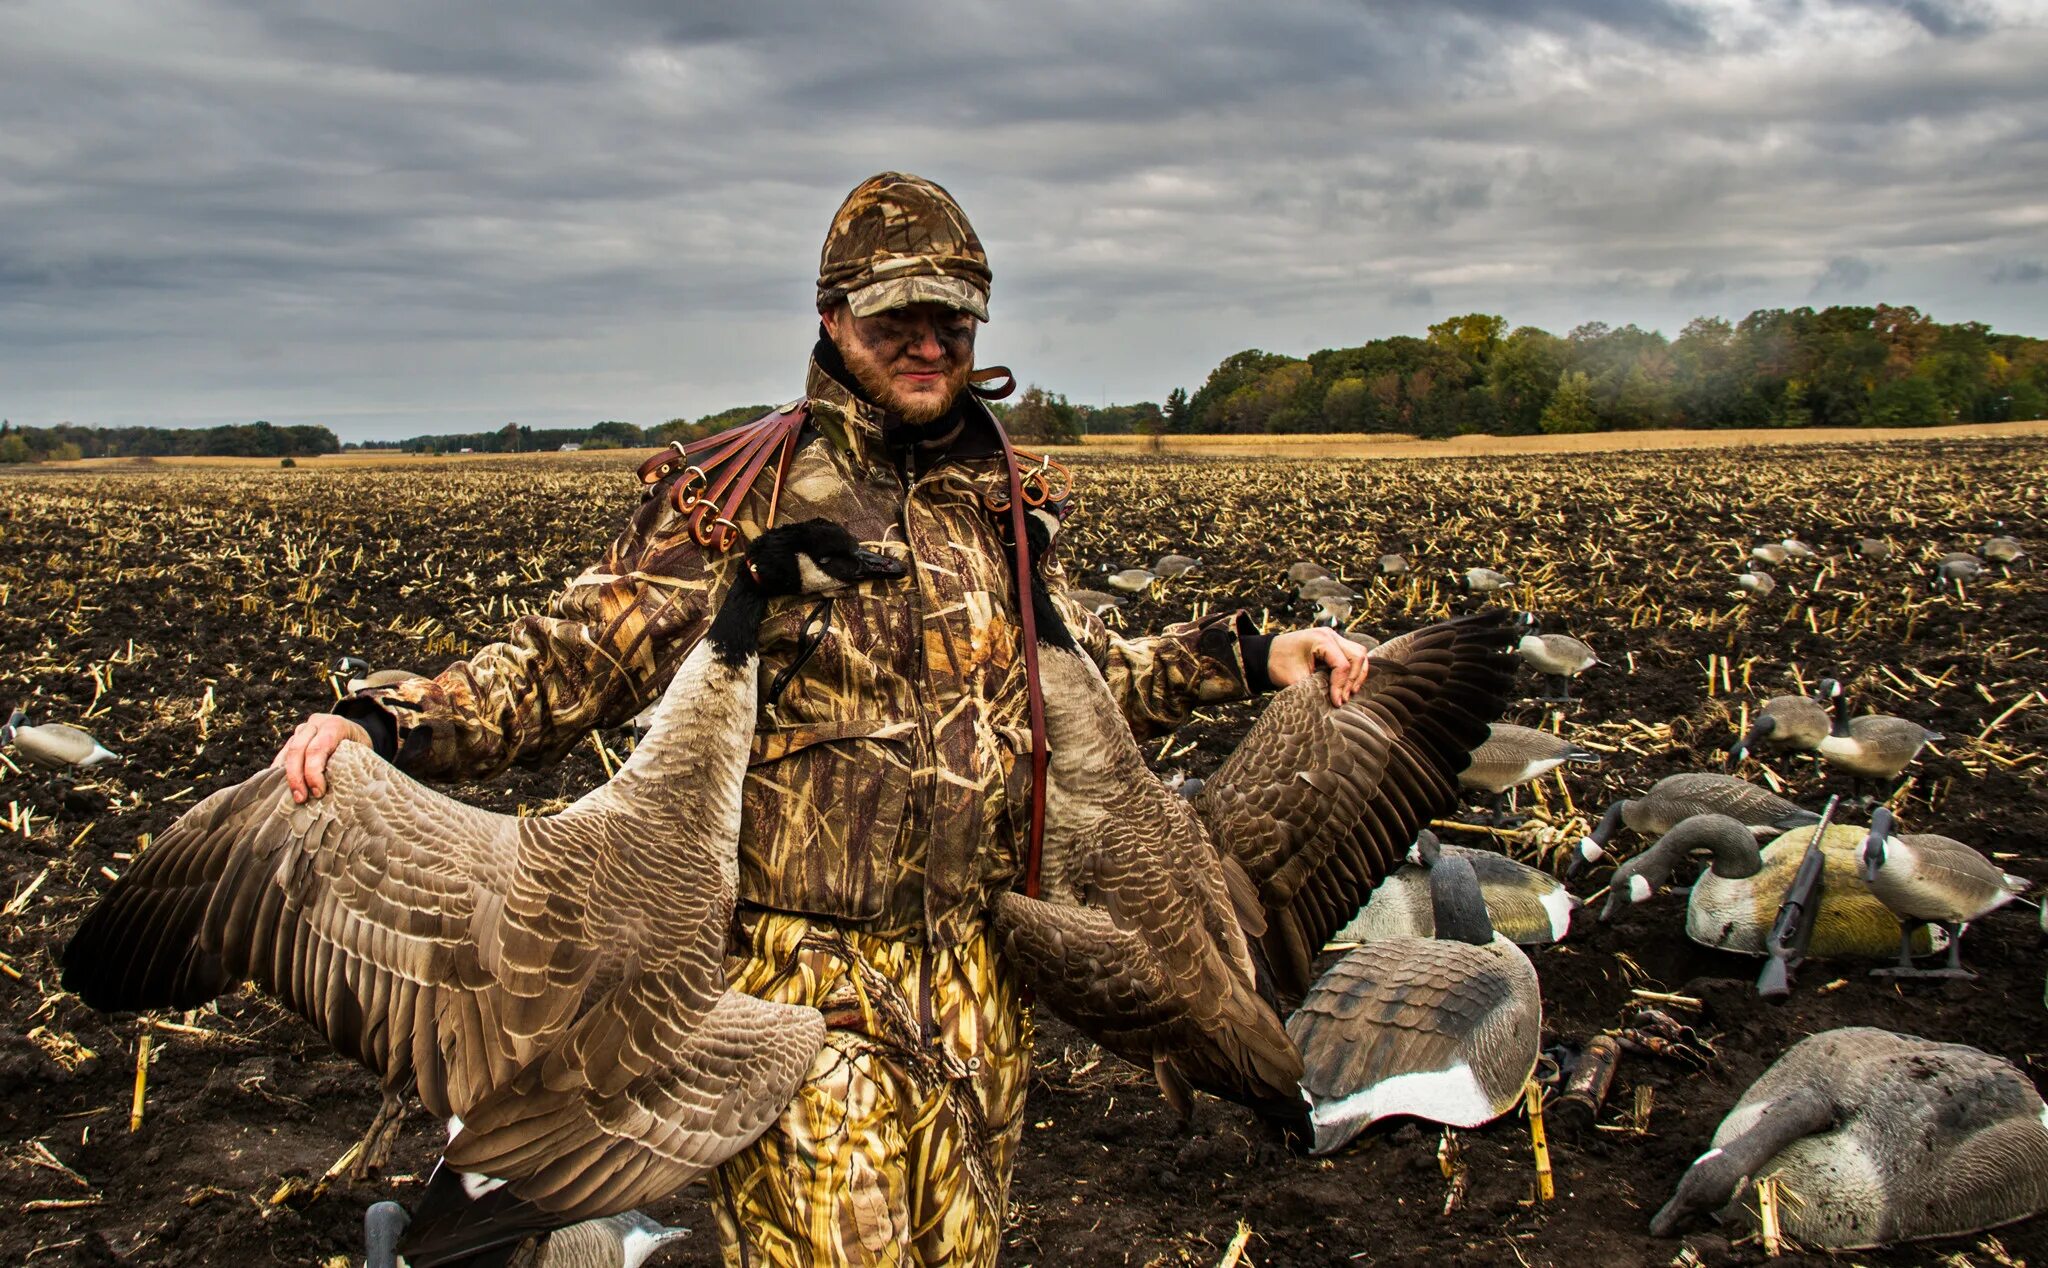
(889, 786)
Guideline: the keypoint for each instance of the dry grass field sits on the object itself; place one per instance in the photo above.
(189, 613)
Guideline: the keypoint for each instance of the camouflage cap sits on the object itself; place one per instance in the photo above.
(900, 239)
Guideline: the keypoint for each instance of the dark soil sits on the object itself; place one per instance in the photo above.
(171, 583)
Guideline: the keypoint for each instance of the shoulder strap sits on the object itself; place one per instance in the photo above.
(719, 471)
(1028, 624)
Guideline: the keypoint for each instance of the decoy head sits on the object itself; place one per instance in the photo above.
(1456, 901)
(1759, 731)
(1638, 879)
(351, 666)
(1426, 849)
(15, 721)
(1592, 848)
(383, 1224)
(812, 557)
(1872, 850)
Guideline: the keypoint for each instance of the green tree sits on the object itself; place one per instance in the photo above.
(1238, 370)
(1473, 338)
(1177, 414)
(1571, 406)
(1042, 417)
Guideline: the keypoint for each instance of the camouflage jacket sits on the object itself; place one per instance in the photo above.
(889, 783)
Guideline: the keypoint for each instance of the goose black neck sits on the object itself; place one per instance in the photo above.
(1603, 832)
(1052, 629)
(1838, 715)
(735, 632)
(1458, 903)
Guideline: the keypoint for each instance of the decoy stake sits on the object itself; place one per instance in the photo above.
(1793, 929)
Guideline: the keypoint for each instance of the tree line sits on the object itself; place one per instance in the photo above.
(67, 441)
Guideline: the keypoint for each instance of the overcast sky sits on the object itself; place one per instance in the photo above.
(395, 218)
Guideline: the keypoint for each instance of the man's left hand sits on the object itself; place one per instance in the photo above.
(1296, 654)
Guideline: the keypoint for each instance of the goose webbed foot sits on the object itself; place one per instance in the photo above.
(374, 1151)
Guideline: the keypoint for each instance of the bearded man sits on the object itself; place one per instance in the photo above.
(889, 784)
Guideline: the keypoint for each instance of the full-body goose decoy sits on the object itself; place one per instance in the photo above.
(1676, 798)
(1171, 566)
(1132, 580)
(1303, 570)
(1524, 905)
(2004, 551)
(1794, 723)
(1445, 1028)
(53, 744)
(1516, 755)
(1324, 587)
(1558, 657)
(1483, 581)
(616, 1241)
(555, 983)
(1158, 920)
(1393, 565)
(1770, 552)
(1874, 746)
(1875, 549)
(1884, 1138)
(1929, 877)
(356, 674)
(1756, 582)
(1094, 602)
(1734, 902)
(1956, 567)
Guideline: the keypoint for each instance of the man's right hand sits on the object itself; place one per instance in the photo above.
(304, 756)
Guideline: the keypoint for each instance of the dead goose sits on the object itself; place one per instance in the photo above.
(1158, 920)
(1515, 755)
(1875, 746)
(1794, 723)
(1445, 1029)
(616, 1241)
(542, 979)
(1734, 901)
(1929, 877)
(53, 744)
(1526, 906)
(1885, 1138)
(1171, 566)
(1676, 798)
(1558, 657)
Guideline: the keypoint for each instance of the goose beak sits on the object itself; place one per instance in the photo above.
(874, 563)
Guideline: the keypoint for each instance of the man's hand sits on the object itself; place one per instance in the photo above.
(1296, 654)
(304, 756)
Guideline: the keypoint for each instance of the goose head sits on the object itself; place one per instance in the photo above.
(1729, 842)
(814, 557)
(1871, 852)
(383, 1224)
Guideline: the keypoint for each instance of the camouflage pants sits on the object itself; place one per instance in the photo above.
(897, 1149)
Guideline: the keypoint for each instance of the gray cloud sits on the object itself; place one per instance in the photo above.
(400, 218)
(1844, 275)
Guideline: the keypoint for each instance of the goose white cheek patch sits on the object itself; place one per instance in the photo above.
(1638, 889)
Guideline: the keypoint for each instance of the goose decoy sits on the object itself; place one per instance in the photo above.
(1094, 602)
(1132, 580)
(1884, 1137)
(1770, 552)
(1796, 549)
(1526, 906)
(616, 1241)
(1515, 755)
(1393, 565)
(1876, 549)
(1302, 570)
(1756, 582)
(53, 744)
(1735, 901)
(1794, 723)
(1958, 567)
(1483, 581)
(1321, 587)
(356, 674)
(550, 982)
(1332, 609)
(1676, 798)
(1170, 566)
(2004, 551)
(1558, 657)
(1159, 926)
(1874, 746)
(1937, 878)
(1445, 1028)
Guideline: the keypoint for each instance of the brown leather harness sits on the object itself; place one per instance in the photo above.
(721, 470)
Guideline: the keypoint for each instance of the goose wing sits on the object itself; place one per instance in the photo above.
(1319, 803)
(376, 912)
(1703, 792)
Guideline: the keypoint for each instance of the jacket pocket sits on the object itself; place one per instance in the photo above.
(821, 817)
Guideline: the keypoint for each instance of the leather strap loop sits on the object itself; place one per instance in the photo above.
(721, 470)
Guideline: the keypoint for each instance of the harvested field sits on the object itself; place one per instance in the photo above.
(188, 617)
